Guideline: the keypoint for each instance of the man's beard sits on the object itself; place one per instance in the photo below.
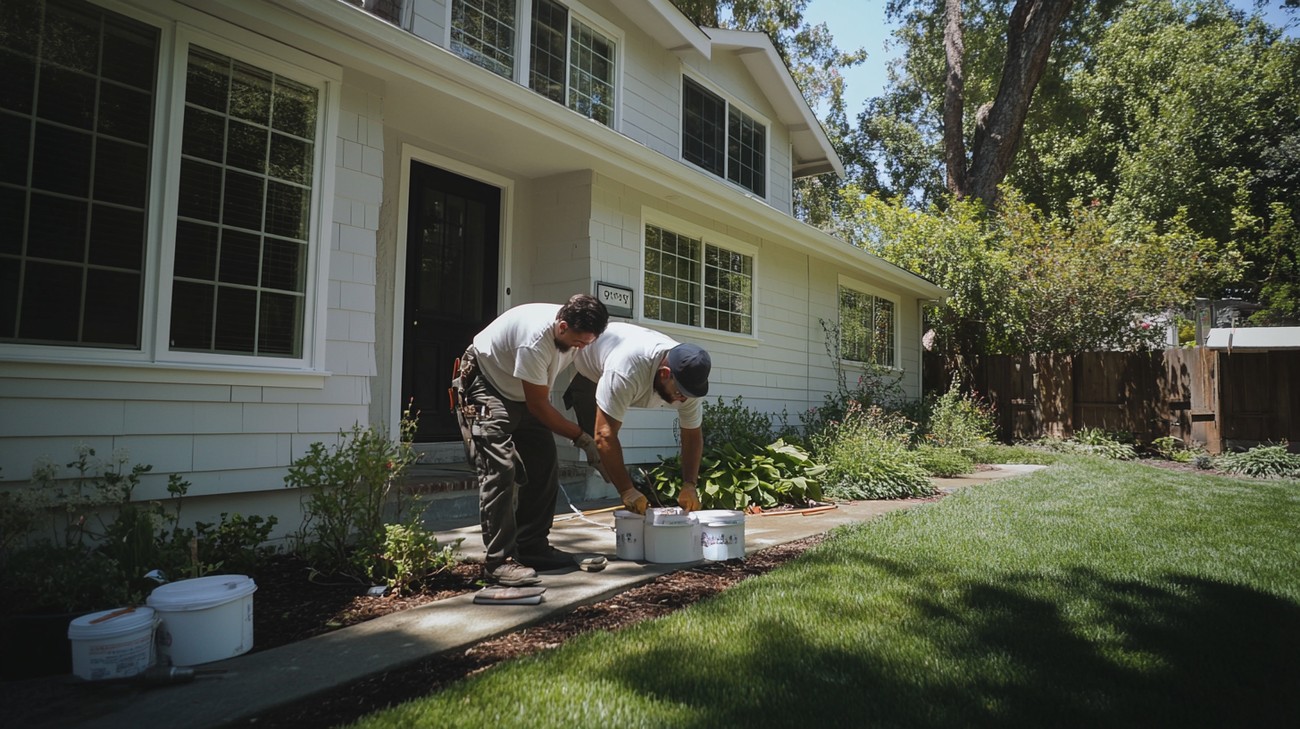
(561, 346)
(662, 390)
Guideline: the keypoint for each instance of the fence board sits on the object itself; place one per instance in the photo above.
(1199, 395)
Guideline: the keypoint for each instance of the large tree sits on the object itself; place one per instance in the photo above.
(998, 123)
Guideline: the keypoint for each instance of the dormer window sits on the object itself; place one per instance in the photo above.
(722, 139)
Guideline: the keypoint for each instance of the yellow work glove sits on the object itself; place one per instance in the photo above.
(588, 446)
(634, 501)
(689, 498)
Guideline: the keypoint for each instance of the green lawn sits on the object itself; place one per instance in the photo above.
(1091, 594)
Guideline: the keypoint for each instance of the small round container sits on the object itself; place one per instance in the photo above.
(722, 534)
(112, 643)
(204, 619)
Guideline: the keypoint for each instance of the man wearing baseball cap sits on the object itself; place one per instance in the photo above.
(632, 366)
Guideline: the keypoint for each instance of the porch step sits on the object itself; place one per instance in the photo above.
(450, 491)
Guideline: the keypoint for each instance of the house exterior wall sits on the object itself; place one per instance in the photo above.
(573, 214)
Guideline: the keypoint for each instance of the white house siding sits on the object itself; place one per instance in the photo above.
(429, 20)
(230, 433)
(785, 365)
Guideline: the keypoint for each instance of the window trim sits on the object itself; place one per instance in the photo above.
(861, 287)
(175, 35)
(730, 101)
(707, 237)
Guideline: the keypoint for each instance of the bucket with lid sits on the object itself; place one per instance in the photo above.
(204, 619)
(629, 530)
(112, 643)
(722, 533)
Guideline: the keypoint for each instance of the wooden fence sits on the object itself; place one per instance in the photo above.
(1222, 401)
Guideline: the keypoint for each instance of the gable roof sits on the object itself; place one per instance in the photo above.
(813, 152)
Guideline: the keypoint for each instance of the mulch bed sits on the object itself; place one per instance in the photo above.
(349, 702)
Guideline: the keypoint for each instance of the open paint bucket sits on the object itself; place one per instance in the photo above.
(204, 619)
(112, 643)
(722, 533)
(629, 530)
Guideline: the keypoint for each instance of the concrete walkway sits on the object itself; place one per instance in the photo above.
(257, 682)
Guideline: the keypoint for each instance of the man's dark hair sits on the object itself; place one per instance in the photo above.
(584, 313)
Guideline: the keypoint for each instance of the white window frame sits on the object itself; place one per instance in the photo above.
(175, 37)
(523, 49)
(731, 102)
(866, 289)
(707, 237)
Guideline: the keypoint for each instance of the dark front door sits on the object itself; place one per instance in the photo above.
(452, 243)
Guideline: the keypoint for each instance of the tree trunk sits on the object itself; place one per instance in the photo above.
(954, 99)
(998, 124)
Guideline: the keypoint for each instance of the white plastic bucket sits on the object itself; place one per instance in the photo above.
(669, 543)
(629, 528)
(204, 619)
(112, 643)
(722, 534)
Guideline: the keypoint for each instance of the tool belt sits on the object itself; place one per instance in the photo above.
(463, 372)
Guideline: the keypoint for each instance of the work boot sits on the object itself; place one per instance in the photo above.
(510, 574)
(547, 558)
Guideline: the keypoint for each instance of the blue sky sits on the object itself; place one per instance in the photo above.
(861, 23)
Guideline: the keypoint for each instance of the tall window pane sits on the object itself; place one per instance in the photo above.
(245, 196)
(483, 32)
(867, 327)
(722, 139)
(76, 116)
(547, 61)
(704, 128)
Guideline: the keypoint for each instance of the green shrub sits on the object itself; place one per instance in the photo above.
(738, 424)
(866, 456)
(1262, 461)
(412, 555)
(943, 462)
(100, 543)
(1091, 441)
(348, 493)
(780, 473)
(1172, 449)
(957, 420)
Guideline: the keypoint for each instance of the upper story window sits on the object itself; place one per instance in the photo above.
(567, 59)
(483, 32)
(868, 327)
(571, 63)
(83, 260)
(723, 139)
(692, 281)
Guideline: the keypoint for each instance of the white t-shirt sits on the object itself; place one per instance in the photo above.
(624, 362)
(519, 347)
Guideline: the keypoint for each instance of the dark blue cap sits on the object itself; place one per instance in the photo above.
(690, 367)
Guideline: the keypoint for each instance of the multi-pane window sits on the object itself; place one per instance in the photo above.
(571, 63)
(686, 277)
(483, 32)
(723, 139)
(78, 203)
(76, 114)
(867, 327)
(244, 205)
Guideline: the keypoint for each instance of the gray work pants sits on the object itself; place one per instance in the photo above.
(518, 474)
